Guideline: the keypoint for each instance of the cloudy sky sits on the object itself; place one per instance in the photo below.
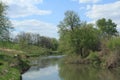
(43, 16)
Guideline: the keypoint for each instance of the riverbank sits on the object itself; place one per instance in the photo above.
(14, 59)
(109, 60)
(14, 62)
(12, 65)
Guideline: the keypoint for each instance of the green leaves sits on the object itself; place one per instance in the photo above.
(70, 21)
(114, 43)
(5, 24)
(76, 36)
(107, 27)
(86, 38)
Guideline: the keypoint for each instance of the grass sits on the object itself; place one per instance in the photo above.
(14, 59)
(28, 50)
(9, 45)
(10, 67)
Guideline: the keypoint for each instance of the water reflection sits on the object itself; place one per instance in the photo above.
(45, 68)
(52, 69)
(85, 72)
(48, 73)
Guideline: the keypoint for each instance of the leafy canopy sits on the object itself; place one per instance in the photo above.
(107, 27)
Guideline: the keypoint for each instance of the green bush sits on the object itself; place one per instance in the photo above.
(94, 57)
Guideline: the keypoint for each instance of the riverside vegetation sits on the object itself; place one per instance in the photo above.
(82, 43)
(97, 44)
(16, 52)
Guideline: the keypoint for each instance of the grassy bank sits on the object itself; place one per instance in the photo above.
(12, 66)
(14, 58)
(28, 50)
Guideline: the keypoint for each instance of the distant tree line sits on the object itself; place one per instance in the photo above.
(35, 39)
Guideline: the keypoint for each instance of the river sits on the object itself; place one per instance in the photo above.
(52, 68)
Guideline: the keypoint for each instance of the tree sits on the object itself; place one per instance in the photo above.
(5, 24)
(77, 37)
(66, 27)
(54, 44)
(107, 27)
(27, 39)
(70, 21)
(23, 39)
(84, 39)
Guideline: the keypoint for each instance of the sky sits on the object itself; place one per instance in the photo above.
(43, 16)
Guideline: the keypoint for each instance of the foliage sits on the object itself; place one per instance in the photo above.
(107, 27)
(85, 39)
(78, 39)
(5, 24)
(9, 45)
(27, 39)
(94, 57)
(114, 43)
(70, 21)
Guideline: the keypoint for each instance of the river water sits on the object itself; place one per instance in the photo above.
(52, 68)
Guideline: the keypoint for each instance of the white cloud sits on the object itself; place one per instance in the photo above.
(87, 1)
(82, 8)
(23, 8)
(111, 10)
(36, 26)
(87, 7)
(42, 73)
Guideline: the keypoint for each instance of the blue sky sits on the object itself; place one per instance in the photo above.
(43, 16)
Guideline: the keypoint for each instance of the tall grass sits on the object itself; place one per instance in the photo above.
(10, 45)
(114, 43)
(111, 60)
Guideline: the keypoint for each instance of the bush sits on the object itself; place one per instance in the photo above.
(94, 57)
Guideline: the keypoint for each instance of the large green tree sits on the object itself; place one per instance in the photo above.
(107, 27)
(79, 39)
(66, 28)
(84, 39)
(5, 24)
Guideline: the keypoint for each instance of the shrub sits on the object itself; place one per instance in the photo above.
(94, 58)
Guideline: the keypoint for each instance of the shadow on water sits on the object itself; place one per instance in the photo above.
(85, 72)
(51, 68)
